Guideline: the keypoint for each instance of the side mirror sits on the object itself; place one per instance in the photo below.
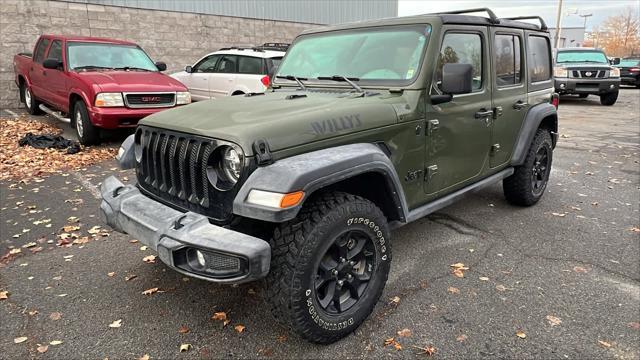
(161, 66)
(188, 69)
(54, 64)
(456, 79)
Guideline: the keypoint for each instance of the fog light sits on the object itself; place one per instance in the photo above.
(200, 257)
(612, 86)
(562, 86)
(209, 263)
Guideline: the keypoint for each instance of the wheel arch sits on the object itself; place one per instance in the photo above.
(73, 97)
(540, 116)
(21, 82)
(343, 168)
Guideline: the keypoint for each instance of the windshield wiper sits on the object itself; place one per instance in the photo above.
(127, 68)
(87, 67)
(294, 78)
(349, 80)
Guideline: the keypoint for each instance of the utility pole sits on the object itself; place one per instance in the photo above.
(585, 16)
(558, 24)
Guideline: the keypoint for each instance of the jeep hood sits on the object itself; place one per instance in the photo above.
(281, 118)
(135, 81)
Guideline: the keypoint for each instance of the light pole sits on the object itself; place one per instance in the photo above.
(585, 16)
(558, 22)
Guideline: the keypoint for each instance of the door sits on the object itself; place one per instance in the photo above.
(197, 81)
(222, 81)
(56, 89)
(459, 132)
(36, 69)
(509, 93)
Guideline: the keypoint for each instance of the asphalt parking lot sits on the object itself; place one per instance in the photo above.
(563, 275)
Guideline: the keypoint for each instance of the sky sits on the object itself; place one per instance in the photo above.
(547, 9)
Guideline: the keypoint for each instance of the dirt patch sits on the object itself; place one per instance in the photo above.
(25, 163)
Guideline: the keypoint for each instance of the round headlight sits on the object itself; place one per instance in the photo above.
(231, 164)
(137, 145)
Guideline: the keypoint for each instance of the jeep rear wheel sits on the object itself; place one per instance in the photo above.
(529, 181)
(329, 266)
(609, 99)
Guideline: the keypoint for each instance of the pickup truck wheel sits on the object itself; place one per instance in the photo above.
(30, 102)
(609, 99)
(329, 266)
(529, 181)
(87, 133)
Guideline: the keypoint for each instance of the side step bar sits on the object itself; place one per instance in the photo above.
(447, 200)
(55, 114)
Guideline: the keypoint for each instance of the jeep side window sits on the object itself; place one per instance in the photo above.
(539, 59)
(461, 48)
(227, 64)
(206, 65)
(507, 60)
(38, 56)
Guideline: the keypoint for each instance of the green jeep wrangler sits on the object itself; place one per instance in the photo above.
(369, 126)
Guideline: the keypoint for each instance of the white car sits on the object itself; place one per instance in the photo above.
(232, 71)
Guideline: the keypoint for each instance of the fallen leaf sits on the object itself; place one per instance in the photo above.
(395, 300)
(55, 316)
(404, 333)
(458, 269)
(73, 219)
(559, 214)
(29, 245)
(634, 325)
(33, 312)
(42, 348)
(150, 259)
(94, 230)
(62, 295)
(69, 228)
(604, 343)
(392, 341)
(453, 290)
(501, 288)
(133, 241)
(635, 229)
(116, 324)
(20, 339)
(130, 277)
(483, 278)
(150, 291)
(14, 251)
(521, 334)
(461, 338)
(183, 329)
(55, 342)
(553, 321)
(281, 338)
(4, 295)
(429, 350)
(185, 347)
(221, 316)
(144, 357)
(239, 328)
(111, 274)
(579, 269)
(143, 248)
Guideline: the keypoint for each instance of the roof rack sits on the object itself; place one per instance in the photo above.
(492, 16)
(543, 25)
(274, 46)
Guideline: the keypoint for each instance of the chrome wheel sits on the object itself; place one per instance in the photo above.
(79, 124)
(27, 97)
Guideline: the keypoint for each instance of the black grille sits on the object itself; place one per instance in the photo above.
(150, 100)
(588, 74)
(173, 167)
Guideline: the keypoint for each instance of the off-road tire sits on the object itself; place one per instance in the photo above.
(583, 96)
(518, 188)
(87, 133)
(609, 98)
(297, 247)
(30, 102)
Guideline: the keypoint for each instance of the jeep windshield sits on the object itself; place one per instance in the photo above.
(581, 56)
(91, 56)
(387, 56)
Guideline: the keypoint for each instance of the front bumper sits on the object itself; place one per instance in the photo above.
(120, 117)
(586, 86)
(228, 256)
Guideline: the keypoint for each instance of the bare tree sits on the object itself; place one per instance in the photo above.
(619, 35)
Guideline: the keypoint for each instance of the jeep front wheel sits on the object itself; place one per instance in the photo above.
(329, 266)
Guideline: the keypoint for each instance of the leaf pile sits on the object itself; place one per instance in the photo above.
(23, 162)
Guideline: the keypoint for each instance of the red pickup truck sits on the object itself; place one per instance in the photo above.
(94, 83)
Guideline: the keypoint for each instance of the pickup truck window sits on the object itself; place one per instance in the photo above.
(111, 56)
(376, 54)
(38, 55)
(55, 51)
(581, 57)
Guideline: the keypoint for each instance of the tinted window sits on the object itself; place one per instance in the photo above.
(250, 65)
(206, 65)
(539, 59)
(462, 49)
(227, 64)
(55, 51)
(40, 49)
(507, 60)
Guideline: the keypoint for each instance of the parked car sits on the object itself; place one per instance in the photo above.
(586, 71)
(94, 83)
(629, 71)
(368, 127)
(232, 71)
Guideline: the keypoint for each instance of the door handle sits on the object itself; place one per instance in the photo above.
(483, 113)
(519, 105)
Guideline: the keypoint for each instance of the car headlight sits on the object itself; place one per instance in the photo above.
(183, 98)
(109, 100)
(230, 164)
(560, 72)
(224, 167)
(614, 72)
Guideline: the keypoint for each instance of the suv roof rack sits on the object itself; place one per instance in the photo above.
(492, 16)
(543, 25)
(274, 46)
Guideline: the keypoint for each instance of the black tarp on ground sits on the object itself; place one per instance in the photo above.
(46, 141)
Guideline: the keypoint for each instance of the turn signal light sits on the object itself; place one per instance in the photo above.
(291, 199)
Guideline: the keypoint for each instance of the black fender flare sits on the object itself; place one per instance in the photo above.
(530, 125)
(315, 170)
